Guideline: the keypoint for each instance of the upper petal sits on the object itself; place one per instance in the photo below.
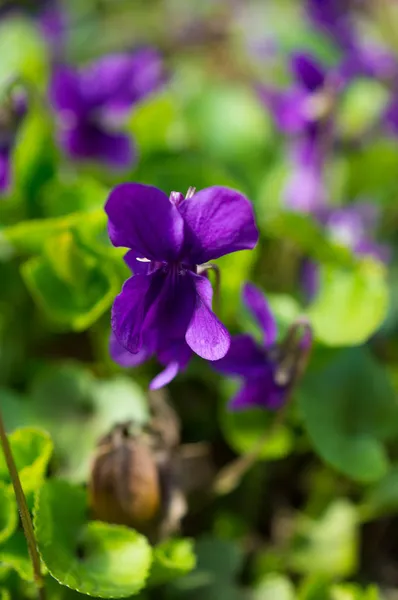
(307, 71)
(244, 358)
(259, 307)
(115, 82)
(206, 335)
(141, 217)
(217, 221)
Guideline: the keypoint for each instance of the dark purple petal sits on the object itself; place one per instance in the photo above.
(217, 221)
(368, 247)
(288, 109)
(142, 218)
(206, 335)
(244, 358)
(124, 358)
(88, 142)
(333, 17)
(260, 392)
(258, 306)
(65, 94)
(5, 170)
(129, 311)
(307, 71)
(170, 313)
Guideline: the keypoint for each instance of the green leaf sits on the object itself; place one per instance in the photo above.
(69, 400)
(32, 450)
(244, 429)
(156, 124)
(367, 180)
(348, 421)
(350, 591)
(108, 561)
(309, 236)
(31, 237)
(229, 122)
(70, 194)
(274, 587)
(221, 558)
(4, 594)
(327, 546)
(73, 286)
(361, 107)
(23, 50)
(14, 554)
(8, 512)
(351, 303)
(171, 559)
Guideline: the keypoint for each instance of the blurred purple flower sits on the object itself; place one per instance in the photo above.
(304, 112)
(165, 308)
(337, 19)
(92, 104)
(269, 369)
(12, 112)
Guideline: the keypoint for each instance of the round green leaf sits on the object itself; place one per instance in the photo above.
(329, 545)
(382, 498)
(349, 408)
(32, 449)
(274, 587)
(351, 303)
(8, 512)
(97, 559)
(83, 403)
(172, 559)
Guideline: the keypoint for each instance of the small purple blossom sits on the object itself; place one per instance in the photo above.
(93, 102)
(12, 112)
(304, 113)
(165, 308)
(269, 369)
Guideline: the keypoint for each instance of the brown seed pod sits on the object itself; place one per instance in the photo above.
(124, 486)
(135, 474)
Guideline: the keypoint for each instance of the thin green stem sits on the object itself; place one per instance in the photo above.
(23, 511)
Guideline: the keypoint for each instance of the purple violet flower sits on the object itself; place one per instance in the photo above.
(12, 112)
(165, 308)
(304, 112)
(93, 102)
(269, 370)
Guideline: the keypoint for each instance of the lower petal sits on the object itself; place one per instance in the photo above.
(4, 171)
(126, 359)
(244, 358)
(91, 143)
(206, 335)
(165, 376)
(129, 310)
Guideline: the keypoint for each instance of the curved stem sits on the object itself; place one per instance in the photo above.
(23, 511)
